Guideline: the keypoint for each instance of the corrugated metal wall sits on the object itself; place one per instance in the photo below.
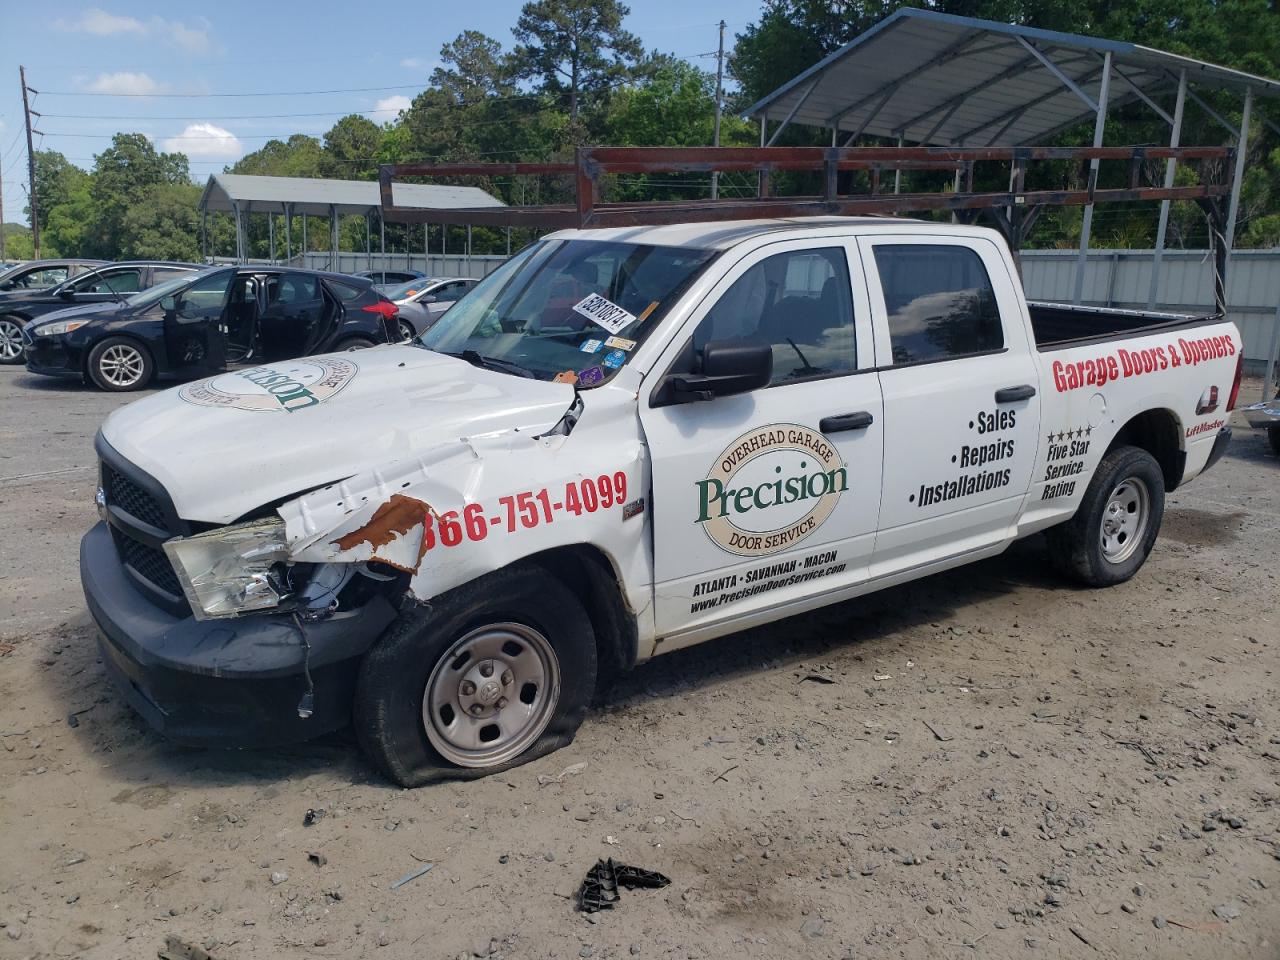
(1122, 278)
(434, 265)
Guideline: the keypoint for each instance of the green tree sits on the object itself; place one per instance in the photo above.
(299, 156)
(164, 225)
(351, 148)
(57, 178)
(124, 175)
(572, 47)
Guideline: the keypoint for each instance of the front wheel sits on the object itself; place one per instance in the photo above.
(119, 364)
(10, 340)
(347, 344)
(486, 677)
(1112, 532)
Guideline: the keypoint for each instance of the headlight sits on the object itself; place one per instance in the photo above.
(58, 328)
(231, 570)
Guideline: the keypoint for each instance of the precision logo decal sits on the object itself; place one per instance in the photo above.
(770, 489)
(286, 388)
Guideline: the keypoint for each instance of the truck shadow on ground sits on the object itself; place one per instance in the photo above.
(140, 756)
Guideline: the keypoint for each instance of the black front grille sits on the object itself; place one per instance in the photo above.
(122, 492)
(149, 563)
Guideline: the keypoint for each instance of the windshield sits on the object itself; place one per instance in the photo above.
(161, 290)
(398, 291)
(567, 310)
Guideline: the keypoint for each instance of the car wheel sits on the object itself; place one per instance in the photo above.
(10, 340)
(406, 330)
(1112, 532)
(347, 344)
(1273, 435)
(486, 677)
(119, 365)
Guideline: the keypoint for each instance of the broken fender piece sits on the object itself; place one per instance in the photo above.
(396, 533)
(599, 890)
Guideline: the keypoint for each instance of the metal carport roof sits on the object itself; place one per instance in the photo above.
(940, 79)
(301, 195)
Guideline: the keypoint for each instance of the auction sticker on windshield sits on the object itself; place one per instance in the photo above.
(771, 488)
(283, 388)
(604, 313)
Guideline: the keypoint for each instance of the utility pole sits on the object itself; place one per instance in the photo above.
(1, 216)
(31, 165)
(715, 176)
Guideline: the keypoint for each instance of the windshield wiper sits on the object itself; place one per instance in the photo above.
(494, 363)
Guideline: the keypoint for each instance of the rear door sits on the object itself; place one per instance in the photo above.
(294, 308)
(961, 414)
(768, 498)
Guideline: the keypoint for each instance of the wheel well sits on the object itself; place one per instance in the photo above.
(1158, 433)
(586, 571)
(137, 342)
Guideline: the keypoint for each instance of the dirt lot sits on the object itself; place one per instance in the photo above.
(982, 764)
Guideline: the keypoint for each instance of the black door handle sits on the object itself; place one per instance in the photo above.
(846, 421)
(1014, 394)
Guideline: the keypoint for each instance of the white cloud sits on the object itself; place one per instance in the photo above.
(100, 23)
(389, 107)
(206, 140)
(413, 63)
(124, 82)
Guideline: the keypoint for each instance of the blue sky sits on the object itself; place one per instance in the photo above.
(160, 52)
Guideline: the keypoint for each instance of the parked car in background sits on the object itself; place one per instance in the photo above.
(198, 323)
(42, 274)
(111, 282)
(387, 278)
(422, 302)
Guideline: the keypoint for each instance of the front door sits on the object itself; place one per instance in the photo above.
(961, 414)
(764, 499)
(195, 326)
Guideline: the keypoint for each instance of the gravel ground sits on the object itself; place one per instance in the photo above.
(986, 763)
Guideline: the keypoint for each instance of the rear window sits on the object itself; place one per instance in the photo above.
(345, 291)
(939, 300)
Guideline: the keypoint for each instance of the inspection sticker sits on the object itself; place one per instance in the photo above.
(620, 343)
(614, 359)
(604, 313)
(591, 346)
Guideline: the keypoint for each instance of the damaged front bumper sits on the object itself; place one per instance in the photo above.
(230, 682)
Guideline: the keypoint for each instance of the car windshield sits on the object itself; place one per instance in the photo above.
(398, 291)
(161, 290)
(567, 310)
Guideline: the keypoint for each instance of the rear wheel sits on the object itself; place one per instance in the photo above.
(10, 340)
(1273, 435)
(1112, 532)
(492, 675)
(406, 330)
(347, 344)
(119, 364)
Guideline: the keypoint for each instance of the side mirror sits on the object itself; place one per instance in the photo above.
(66, 293)
(727, 368)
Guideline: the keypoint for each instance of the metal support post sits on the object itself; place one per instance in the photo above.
(271, 235)
(382, 246)
(239, 232)
(508, 241)
(1242, 148)
(1170, 166)
(1271, 357)
(897, 174)
(1099, 129)
(288, 232)
(804, 97)
(204, 236)
(333, 238)
(304, 239)
(715, 133)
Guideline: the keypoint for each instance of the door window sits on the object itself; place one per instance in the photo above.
(450, 291)
(204, 296)
(939, 302)
(44, 277)
(161, 274)
(800, 304)
(111, 281)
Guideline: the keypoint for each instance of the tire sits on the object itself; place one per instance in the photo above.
(10, 340)
(1273, 436)
(347, 344)
(1110, 536)
(406, 330)
(415, 696)
(119, 364)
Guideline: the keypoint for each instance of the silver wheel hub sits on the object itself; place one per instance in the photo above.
(491, 695)
(1124, 519)
(121, 365)
(10, 340)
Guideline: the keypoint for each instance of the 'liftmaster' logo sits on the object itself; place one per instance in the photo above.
(770, 489)
(287, 388)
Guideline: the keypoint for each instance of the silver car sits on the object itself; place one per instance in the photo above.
(421, 302)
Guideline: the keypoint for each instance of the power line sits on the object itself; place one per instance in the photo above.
(201, 96)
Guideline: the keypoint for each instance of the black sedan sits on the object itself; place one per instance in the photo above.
(113, 281)
(196, 325)
(42, 274)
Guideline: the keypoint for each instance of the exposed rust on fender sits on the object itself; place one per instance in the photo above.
(393, 519)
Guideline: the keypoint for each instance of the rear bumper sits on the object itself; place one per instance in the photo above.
(231, 683)
(1220, 443)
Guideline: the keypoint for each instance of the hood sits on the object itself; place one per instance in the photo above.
(76, 311)
(227, 445)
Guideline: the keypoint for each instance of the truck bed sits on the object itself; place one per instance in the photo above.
(1060, 325)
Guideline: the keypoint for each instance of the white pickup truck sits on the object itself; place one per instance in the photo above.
(621, 443)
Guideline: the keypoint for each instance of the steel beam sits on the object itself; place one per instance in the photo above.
(1099, 130)
(1024, 107)
(1143, 96)
(871, 116)
(942, 120)
(1213, 113)
(804, 97)
(333, 238)
(1057, 72)
(288, 232)
(1242, 148)
(1170, 167)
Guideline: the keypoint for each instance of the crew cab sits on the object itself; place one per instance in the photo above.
(621, 443)
(199, 322)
